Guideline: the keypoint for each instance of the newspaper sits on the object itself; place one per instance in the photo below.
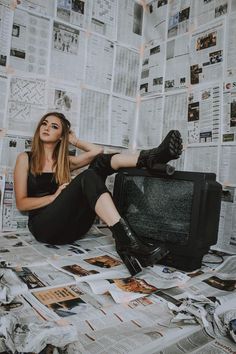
(130, 23)
(149, 123)
(67, 51)
(231, 46)
(38, 6)
(227, 170)
(177, 63)
(26, 104)
(209, 11)
(179, 17)
(75, 12)
(3, 103)
(206, 58)
(94, 104)
(152, 68)
(99, 63)
(229, 119)
(126, 74)
(103, 19)
(201, 159)
(29, 43)
(6, 18)
(155, 20)
(204, 106)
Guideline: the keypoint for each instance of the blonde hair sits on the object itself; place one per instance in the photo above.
(61, 163)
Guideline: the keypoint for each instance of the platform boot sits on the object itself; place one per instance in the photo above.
(134, 253)
(169, 149)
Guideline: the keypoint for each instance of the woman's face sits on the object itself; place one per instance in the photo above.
(50, 130)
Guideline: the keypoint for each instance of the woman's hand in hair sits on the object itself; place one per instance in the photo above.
(73, 140)
(59, 190)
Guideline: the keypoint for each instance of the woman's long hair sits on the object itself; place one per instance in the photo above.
(61, 164)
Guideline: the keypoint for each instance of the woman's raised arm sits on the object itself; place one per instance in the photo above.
(90, 152)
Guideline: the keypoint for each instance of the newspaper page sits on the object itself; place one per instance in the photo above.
(206, 11)
(130, 23)
(175, 114)
(11, 217)
(152, 68)
(64, 98)
(229, 117)
(2, 189)
(204, 111)
(6, 19)
(122, 121)
(30, 43)
(94, 116)
(155, 20)
(3, 100)
(227, 227)
(179, 17)
(74, 12)
(126, 73)
(41, 7)
(103, 19)
(150, 123)
(26, 104)
(177, 63)
(100, 55)
(12, 145)
(201, 159)
(206, 54)
(227, 173)
(231, 46)
(67, 52)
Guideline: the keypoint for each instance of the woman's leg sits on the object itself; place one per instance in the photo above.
(170, 149)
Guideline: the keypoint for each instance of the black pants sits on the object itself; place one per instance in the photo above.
(72, 213)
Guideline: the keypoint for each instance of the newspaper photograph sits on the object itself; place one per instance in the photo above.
(26, 104)
(179, 17)
(123, 113)
(67, 52)
(152, 68)
(99, 62)
(155, 21)
(6, 20)
(150, 122)
(126, 74)
(12, 145)
(74, 12)
(130, 23)
(177, 63)
(204, 110)
(94, 117)
(103, 19)
(206, 58)
(30, 43)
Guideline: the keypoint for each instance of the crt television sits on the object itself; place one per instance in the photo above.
(179, 211)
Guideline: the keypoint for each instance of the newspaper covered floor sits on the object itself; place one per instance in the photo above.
(80, 298)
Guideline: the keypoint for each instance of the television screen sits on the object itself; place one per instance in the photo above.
(154, 207)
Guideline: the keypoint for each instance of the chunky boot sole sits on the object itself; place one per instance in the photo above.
(130, 262)
(156, 255)
(170, 149)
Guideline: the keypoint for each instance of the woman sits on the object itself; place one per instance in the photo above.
(62, 210)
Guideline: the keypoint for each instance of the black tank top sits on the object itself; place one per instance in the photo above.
(40, 185)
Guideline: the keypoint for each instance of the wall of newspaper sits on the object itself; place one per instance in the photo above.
(124, 72)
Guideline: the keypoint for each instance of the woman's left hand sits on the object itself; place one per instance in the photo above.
(72, 138)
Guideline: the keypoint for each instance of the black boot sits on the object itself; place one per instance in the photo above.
(170, 149)
(132, 251)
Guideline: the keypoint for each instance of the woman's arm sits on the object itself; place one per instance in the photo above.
(90, 152)
(23, 202)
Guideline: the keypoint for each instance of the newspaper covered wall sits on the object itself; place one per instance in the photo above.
(124, 73)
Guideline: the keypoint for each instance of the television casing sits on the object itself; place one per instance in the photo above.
(204, 215)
